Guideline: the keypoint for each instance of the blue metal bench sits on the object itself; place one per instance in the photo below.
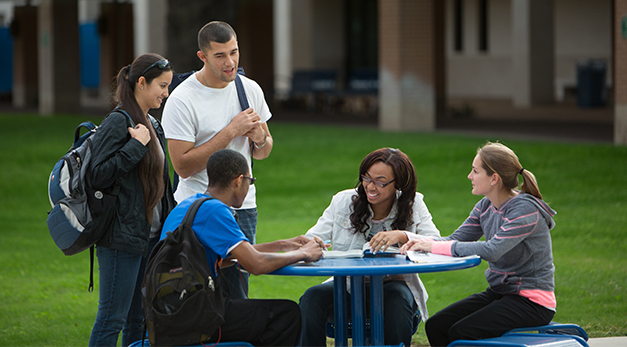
(553, 334)
(524, 340)
(554, 328)
(208, 344)
(331, 327)
(314, 84)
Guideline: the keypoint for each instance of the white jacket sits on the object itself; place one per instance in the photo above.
(335, 225)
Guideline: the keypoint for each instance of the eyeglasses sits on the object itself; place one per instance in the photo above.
(365, 181)
(251, 179)
(162, 64)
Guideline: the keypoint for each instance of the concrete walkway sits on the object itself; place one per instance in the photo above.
(564, 122)
(618, 341)
(494, 119)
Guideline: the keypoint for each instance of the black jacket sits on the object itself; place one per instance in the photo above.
(115, 157)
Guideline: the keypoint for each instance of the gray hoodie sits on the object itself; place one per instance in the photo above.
(517, 246)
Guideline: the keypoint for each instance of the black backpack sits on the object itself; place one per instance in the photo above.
(80, 214)
(182, 301)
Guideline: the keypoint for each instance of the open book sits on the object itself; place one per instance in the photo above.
(415, 256)
(363, 252)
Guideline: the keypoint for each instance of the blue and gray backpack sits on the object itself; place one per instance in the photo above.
(80, 214)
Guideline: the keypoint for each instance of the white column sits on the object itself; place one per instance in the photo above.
(142, 20)
(150, 17)
(59, 78)
(533, 52)
(282, 48)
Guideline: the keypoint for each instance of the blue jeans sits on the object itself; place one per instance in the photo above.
(119, 275)
(237, 281)
(399, 308)
(133, 328)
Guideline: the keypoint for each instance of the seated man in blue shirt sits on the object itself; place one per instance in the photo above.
(260, 322)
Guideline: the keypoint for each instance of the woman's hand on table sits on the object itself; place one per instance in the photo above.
(417, 245)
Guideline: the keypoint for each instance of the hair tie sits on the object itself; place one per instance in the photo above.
(521, 170)
(128, 71)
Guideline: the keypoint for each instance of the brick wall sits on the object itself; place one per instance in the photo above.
(410, 76)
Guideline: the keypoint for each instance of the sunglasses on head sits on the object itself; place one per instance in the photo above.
(162, 64)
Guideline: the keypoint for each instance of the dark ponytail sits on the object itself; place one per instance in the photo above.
(153, 161)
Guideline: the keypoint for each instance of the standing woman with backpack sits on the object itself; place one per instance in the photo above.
(132, 155)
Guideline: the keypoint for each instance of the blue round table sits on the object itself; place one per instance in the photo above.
(375, 268)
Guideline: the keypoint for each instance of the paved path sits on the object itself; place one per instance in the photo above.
(619, 341)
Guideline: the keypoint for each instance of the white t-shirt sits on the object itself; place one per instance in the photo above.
(196, 113)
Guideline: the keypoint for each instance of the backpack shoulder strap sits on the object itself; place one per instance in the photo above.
(188, 220)
(178, 78)
(78, 139)
(120, 110)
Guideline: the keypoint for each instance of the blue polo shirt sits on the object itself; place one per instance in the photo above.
(214, 225)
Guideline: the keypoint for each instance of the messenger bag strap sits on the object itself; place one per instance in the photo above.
(243, 101)
(241, 93)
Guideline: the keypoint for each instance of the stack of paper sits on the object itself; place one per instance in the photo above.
(426, 257)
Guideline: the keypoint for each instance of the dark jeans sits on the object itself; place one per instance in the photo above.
(133, 328)
(399, 308)
(484, 315)
(236, 280)
(119, 272)
(261, 322)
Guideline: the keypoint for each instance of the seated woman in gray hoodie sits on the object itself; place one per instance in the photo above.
(516, 225)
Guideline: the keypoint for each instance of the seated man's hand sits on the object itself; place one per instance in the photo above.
(313, 250)
(301, 240)
(298, 241)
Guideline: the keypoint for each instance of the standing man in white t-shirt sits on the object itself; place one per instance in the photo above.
(203, 115)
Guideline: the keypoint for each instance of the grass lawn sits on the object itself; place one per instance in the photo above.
(43, 294)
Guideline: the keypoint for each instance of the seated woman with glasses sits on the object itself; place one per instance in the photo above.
(382, 209)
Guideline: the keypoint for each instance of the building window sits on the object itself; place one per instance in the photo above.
(458, 32)
(362, 34)
(483, 25)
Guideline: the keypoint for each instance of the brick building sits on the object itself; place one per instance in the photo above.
(420, 58)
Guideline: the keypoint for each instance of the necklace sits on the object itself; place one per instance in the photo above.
(203, 78)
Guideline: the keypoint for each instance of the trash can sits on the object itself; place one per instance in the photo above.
(591, 83)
